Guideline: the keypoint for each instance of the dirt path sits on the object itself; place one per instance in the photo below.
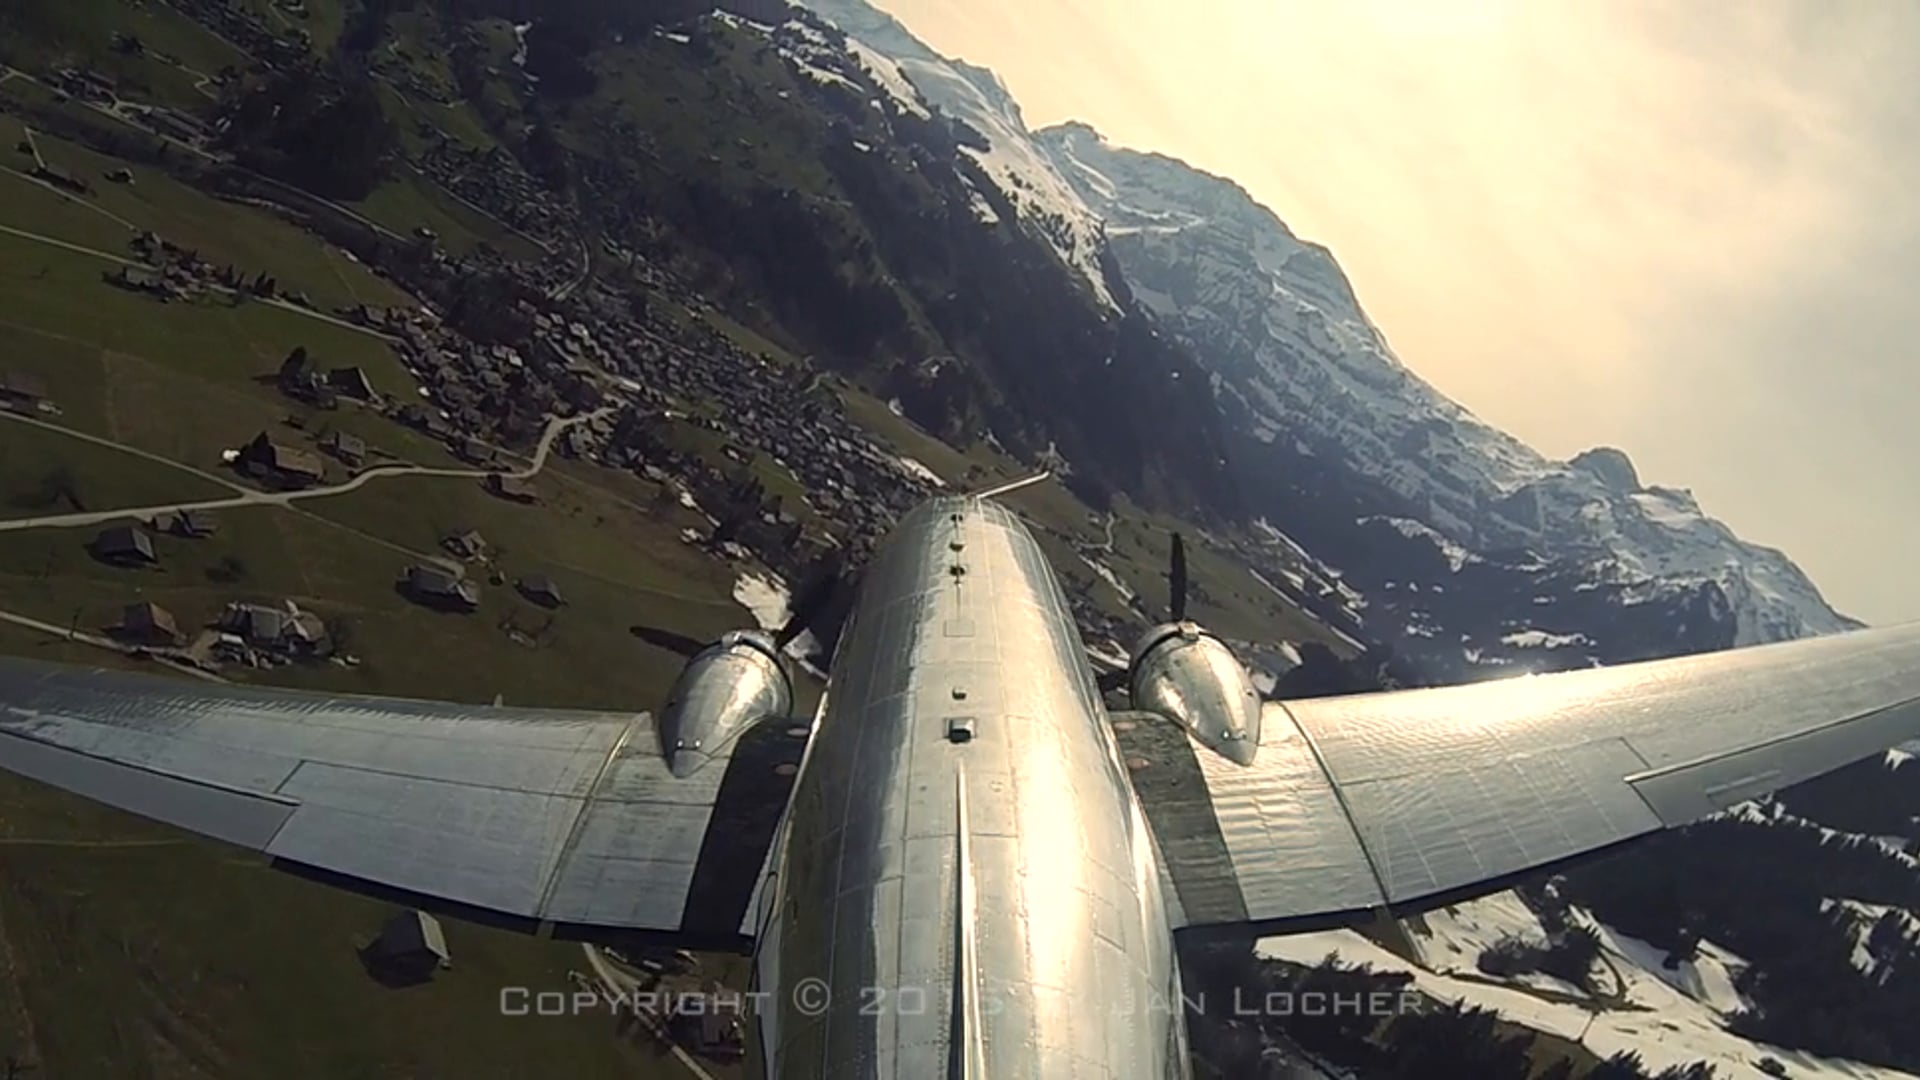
(73, 633)
(249, 497)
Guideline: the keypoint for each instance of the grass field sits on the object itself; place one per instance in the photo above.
(27, 204)
(616, 565)
(46, 472)
(176, 50)
(64, 294)
(250, 239)
(409, 201)
(777, 479)
(186, 417)
(421, 120)
(131, 945)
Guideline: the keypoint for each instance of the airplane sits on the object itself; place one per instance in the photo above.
(962, 864)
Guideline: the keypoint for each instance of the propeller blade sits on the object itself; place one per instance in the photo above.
(1177, 580)
(809, 604)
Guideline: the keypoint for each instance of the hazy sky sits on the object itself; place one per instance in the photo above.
(1688, 229)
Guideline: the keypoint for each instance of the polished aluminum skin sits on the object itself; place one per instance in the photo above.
(1187, 675)
(1415, 798)
(967, 880)
(550, 815)
(731, 685)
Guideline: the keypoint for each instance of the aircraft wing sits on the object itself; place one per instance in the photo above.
(549, 821)
(1415, 799)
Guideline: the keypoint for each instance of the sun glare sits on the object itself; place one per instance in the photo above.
(1442, 19)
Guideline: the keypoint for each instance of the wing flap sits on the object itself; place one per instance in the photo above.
(486, 847)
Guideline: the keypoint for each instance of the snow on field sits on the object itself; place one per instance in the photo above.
(1456, 936)
(1865, 915)
(767, 598)
(891, 79)
(1106, 574)
(820, 74)
(1456, 555)
(1109, 653)
(1672, 1018)
(1707, 979)
(1540, 639)
(918, 471)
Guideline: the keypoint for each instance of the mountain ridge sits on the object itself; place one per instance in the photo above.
(1278, 322)
(1313, 387)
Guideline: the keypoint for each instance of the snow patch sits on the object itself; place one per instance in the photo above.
(918, 471)
(767, 598)
(891, 79)
(1665, 1026)
(1457, 556)
(1540, 639)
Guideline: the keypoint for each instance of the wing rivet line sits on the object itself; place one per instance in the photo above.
(1346, 811)
(965, 1050)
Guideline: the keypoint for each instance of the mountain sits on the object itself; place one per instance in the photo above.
(1301, 369)
(1472, 550)
(976, 97)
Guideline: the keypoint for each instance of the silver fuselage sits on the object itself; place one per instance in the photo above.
(979, 907)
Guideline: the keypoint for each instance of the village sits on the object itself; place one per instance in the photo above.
(683, 405)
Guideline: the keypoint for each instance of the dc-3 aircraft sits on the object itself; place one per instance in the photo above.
(963, 864)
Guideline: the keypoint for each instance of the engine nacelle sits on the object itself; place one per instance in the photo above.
(732, 684)
(1190, 677)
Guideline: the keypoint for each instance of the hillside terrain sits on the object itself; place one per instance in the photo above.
(723, 293)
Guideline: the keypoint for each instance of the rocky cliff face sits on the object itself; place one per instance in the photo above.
(1467, 543)
(1470, 548)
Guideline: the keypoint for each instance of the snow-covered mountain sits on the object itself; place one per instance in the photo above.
(977, 97)
(1300, 367)
(1300, 364)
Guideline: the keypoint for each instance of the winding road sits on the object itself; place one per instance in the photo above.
(245, 497)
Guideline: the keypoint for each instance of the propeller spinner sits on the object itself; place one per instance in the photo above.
(1185, 673)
